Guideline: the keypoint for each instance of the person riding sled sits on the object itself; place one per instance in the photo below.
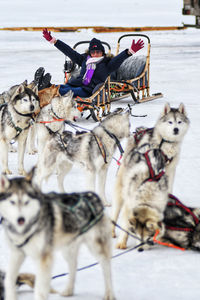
(95, 65)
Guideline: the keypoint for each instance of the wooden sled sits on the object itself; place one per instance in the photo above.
(126, 82)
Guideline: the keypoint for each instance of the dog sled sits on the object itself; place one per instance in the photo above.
(99, 102)
(130, 80)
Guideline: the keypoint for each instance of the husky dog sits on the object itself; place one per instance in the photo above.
(144, 190)
(46, 95)
(15, 119)
(51, 119)
(182, 224)
(93, 150)
(167, 135)
(37, 224)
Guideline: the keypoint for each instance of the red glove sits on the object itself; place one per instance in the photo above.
(48, 37)
(136, 46)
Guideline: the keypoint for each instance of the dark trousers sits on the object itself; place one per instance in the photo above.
(78, 91)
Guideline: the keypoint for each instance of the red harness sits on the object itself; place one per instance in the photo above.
(178, 203)
(152, 177)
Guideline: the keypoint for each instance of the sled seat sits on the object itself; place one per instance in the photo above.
(99, 102)
(132, 77)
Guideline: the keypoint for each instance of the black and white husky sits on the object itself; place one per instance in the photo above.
(166, 136)
(15, 119)
(37, 224)
(93, 150)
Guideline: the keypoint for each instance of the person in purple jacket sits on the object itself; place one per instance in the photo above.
(95, 65)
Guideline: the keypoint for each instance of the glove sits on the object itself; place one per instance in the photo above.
(136, 46)
(48, 37)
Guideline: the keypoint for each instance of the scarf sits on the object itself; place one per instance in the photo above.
(90, 68)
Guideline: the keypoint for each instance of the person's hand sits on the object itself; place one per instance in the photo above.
(47, 35)
(136, 46)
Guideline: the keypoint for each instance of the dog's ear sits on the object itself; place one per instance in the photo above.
(166, 110)
(181, 109)
(25, 83)
(35, 89)
(132, 221)
(31, 85)
(4, 183)
(20, 89)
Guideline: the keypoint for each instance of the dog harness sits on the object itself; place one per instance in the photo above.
(176, 202)
(80, 211)
(12, 124)
(152, 176)
(141, 131)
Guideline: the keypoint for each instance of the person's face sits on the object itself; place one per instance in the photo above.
(96, 53)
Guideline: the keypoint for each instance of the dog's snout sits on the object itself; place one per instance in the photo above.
(21, 220)
(176, 130)
(32, 107)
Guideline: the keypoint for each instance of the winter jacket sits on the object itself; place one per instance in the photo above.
(102, 71)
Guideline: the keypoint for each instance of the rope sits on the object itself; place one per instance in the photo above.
(97, 263)
(165, 244)
(114, 256)
(54, 120)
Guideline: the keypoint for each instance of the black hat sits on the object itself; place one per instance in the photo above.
(96, 45)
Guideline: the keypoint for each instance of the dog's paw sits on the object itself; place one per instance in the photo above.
(121, 245)
(67, 292)
(109, 297)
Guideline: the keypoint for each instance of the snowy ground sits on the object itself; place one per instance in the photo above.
(161, 273)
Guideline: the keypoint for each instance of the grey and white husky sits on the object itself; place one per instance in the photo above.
(144, 190)
(167, 136)
(15, 119)
(93, 150)
(37, 224)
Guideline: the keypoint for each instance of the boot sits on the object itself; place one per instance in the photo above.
(38, 76)
(45, 83)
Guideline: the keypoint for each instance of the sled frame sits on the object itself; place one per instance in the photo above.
(126, 88)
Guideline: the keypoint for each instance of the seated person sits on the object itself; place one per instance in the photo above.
(95, 65)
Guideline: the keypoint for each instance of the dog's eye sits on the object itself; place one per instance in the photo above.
(25, 100)
(170, 122)
(179, 122)
(26, 202)
(12, 202)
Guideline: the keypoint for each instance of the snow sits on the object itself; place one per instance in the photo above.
(161, 273)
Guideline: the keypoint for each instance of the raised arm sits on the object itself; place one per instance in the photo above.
(64, 48)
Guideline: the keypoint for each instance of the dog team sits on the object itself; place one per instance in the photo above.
(37, 223)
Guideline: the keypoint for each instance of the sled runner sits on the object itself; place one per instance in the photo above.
(132, 77)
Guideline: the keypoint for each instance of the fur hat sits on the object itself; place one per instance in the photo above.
(96, 44)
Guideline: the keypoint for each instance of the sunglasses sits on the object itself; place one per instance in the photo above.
(96, 51)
